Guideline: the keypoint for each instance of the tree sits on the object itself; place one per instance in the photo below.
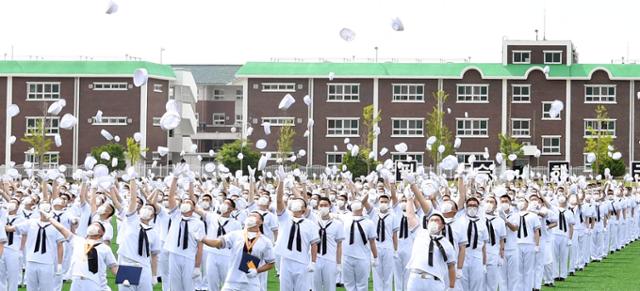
(134, 151)
(436, 127)
(598, 141)
(228, 156)
(285, 142)
(510, 145)
(115, 150)
(37, 139)
(369, 121)
(617, 168)
(359, 165)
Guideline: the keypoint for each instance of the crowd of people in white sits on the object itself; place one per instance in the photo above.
(226, 232)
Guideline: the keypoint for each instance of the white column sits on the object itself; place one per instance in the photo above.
(7, 145)
(375, 112)
(504, 118)
(245, 104)
(632, 118)
(567, 137)
(311, 130)
(143, 116)
(76, 113)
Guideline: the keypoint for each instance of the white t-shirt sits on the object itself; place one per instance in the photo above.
(79, 265)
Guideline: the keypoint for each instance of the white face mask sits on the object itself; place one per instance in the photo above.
(93, 230)
(432, 228)
(521, 205)
(313, 203)
(224, 208)
(340, 203)
(205, 204)
(384, 207)
(472, 211)
(45, 207)
(504, 206)
(355, 206)
(323, 211)
(165, 204)
(296, 205)
(562, 199)
(102, 209)
(146, 213)
(263, 201)
(332, 198)
(403, 206)
(250, 222)
(447, 207)
(12, 206)
(185, 207)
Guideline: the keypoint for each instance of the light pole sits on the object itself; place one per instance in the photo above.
(161, 53)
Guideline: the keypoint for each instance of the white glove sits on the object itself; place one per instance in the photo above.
(280, 173)
(252, 173)
(59, 269)
(338, 268)
(537, 249)
(569, 243)
(196, 273)
(396, 255)
(410, 178)
(126, 283)
(374, 262)
(500, 261)
(484, 269)
(502, 215)
(252, 273)
(311, 267)
(154, 280)
(458, 273)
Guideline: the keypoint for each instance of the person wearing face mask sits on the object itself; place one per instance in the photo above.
(329, 263)
(297, 242)
(358, 249)
(43, 248)
(241, 243)
(432, 263)
(217, 260)
(600, 216)
(183, 242)
(475, 266)
(575, 251)
(103, 213)
(528, 237)
(162, 222)
(511, 266)
(386, 242)
(454, 231)
(496, 231)
(140, 244)
(269, 226)
(563, 234)
(12, 253)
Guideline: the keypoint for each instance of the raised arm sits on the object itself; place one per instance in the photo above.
(172, 193)
(63, 230)
(133, 200)
(424, 204)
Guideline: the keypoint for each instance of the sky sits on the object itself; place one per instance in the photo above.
(237, 31)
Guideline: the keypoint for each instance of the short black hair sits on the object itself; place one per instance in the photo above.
(506, 196)
(324, 199)
(233, 203)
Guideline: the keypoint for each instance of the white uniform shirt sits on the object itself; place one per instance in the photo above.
(474, 247)
(511, 239)
(309, 234)
(217, 224)
(564, 225)
(359, 249)
(420, 255)
(13, 220)
(498, 227)
(531, 225)
(31, 228)
(390, 226)
(79, 265)
(175, 238)
(334, 230)
(131, 234)
(235, 243)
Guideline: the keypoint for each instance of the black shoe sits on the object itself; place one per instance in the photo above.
(560, 279)
(339, 285)
(572, 274)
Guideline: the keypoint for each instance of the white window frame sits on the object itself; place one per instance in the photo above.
(278, 87)
(559, 153)
(279, 121)
(588, 167)
(397, 132)
(396, 156)
(472, 120)
(600, 97)
(275, 155)
(110, 121)
(410, 97)
(340, 97)
(53, 95)
(110, 86)
(156, 121)
(475, 97)
(595, 121)
(31, 158)
(520, 96)
(513, 56)
(520, 131)
(158, 88)
(343, 129)
(217, 121)
(544, 55)
(238, 119)
(49, 130)
(218, 94)
(559, 117)
(239, 94)
(335, 154)
(465, 156)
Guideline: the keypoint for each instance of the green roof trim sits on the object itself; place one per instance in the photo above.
(430, 70)
(79, 68)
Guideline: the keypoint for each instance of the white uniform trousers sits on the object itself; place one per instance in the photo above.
(597, 244)
(66, 260)
(511, 270)
(40, 277)
(217, 268)
(11, 266)
(181, 272)
(355, 273)
(293, 276)
(383, 272)
(417, 283)
(324, 277)
(585, 248)
(620, 236)
(543, 262)
(613, 233)
(163, 270)
(241, 287)
(200, 283)
(472, 274)
(145, 283)
(492, 278)
(400, 272)
(527, 260)
(561, 256)
(263, 278)
(78, 284)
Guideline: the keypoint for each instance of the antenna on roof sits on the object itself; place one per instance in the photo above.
(536, 30)
(544, 21)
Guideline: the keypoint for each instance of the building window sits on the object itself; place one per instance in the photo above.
(553, 57)
(595, 128)
(109, 120)
(521, 93)
(463, 158)
(588, 167)
(343, 92)
(334, 159)
(239, 94)
(50, 159)
(521, 57)
(408, 93)
(403, 127)
(551, 145)
(520, 127)
(600, 93)
(546, 106)
(405, 157)
(156, 121)
(472, 127)
(278, 87)
(238, 118)
(279, 121)
(218, 94)
(108, 86)
(274, 156)
(218, 119)
(43, 90)
(343, 127)
(157, 88)
(473, 93)
(50, 125)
